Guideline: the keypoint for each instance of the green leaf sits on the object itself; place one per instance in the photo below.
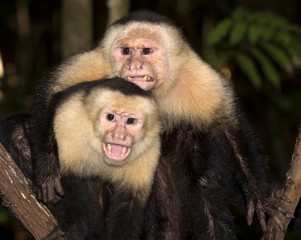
(220, 31)
(267, 67)
(278, 55)
(283, 38)
(239, 13)
(268, 33)
(248, 67)
(295, 29)
(295, 49)
(238, 32)
(223, 57)
(254, 33)
(3, 217)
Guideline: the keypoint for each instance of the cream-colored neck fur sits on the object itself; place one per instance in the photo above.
(200, 95)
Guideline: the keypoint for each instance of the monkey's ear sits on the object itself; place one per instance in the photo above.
(14, 137)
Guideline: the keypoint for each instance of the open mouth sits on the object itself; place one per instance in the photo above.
(144, 78)
(116, 152)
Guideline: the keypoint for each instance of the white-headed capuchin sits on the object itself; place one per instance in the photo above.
(108, 145)
(106, 137)
(149, 50)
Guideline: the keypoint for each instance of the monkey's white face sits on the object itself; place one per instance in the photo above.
(141, 60)
(120, 127)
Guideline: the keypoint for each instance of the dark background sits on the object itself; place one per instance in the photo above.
(31, 43)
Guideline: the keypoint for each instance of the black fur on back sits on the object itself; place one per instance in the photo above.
(125, 87)
(144, 16)
(115, 84)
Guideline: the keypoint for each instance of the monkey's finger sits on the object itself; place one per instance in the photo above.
(262, 220)
(55, 199)
(280, 195)
(50, 190)
(284, 212)
(44, 193)
(38, 194)
(4, 200)
(250, 214)
(278, 222)
(58, 186)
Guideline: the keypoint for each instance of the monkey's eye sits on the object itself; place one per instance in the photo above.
(126, 51)
(111, 117)
(146, 51)
(131, 121)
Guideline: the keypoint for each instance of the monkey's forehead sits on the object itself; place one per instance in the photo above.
(144, 16)
(159, 32)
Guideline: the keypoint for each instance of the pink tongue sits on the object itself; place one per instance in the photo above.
(116, 150)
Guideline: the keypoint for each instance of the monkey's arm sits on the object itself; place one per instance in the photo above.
(253, 165)
(227, 117)
(14, 131)
(83, 67)
(45, 163)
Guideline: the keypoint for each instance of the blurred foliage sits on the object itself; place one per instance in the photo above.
(265, 49)
(259, 42)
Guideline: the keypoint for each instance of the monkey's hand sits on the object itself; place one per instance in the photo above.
(49, 189)
(270, 205)
(71, 234)
(56, 234)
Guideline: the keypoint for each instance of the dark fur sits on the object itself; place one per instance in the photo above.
(115, 84)
(14, 136)
(145, 16)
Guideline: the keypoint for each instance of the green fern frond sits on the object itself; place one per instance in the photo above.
(262, 42)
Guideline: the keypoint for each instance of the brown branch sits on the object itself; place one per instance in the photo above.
(19, 198)
(292, 190)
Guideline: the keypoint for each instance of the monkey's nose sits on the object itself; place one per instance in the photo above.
(119, 137)
(135, 65)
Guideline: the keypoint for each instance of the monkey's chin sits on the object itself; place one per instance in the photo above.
(116, 152)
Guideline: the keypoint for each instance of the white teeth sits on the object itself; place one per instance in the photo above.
(144, 78)
(123, 151)
(110, 149)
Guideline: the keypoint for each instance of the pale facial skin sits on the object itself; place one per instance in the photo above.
(120, 129)
(141, 61)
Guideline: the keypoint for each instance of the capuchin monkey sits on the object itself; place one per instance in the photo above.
(106, 140)
(108, 145)
(148, 50)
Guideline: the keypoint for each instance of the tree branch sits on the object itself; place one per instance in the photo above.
(292, 190)
(18, 197)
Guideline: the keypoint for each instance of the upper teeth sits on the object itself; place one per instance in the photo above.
(122, 151)
(144, 78)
